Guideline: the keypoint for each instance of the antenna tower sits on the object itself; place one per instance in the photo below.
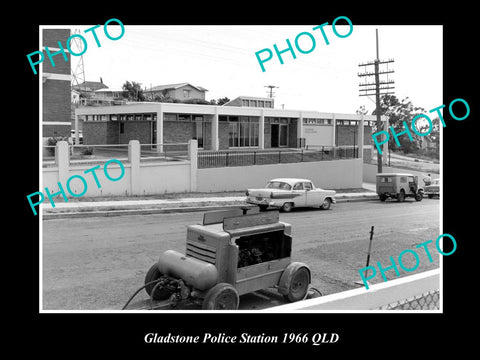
(78, 75)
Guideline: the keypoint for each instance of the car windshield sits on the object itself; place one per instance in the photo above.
(278, 185)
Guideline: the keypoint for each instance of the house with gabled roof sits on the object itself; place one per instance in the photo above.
(180, 91)
(89, 87)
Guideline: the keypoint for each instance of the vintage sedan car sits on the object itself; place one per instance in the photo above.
(287, 193)
(433, 189)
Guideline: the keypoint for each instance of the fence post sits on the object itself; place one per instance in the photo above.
(226, 158)
(134, 160)
(62, 159)
(193, 156)
(279, 156)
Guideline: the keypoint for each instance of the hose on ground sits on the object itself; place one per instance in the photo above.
(136, 292)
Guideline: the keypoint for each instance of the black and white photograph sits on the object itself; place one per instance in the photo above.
(201, 183)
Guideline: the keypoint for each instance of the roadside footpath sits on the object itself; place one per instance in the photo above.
(183, 203)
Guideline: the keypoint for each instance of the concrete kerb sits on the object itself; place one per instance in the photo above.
(144, 207)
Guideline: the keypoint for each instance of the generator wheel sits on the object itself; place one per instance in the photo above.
(382, 197)
(298, 285)
(222, 296)
(154, 274)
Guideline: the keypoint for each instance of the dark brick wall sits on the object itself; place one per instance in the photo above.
(345, 135)
(50, 39)
(113, 132)
(56, 100)
(95, 132)
(177, 131)
(136, 130)
(55, 130)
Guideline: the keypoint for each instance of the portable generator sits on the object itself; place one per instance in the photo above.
(233, 252)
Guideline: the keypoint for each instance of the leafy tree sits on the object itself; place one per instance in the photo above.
(223, 100)
(133, 91)
(398, 112)
(361, 110)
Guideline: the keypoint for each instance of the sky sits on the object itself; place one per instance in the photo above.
(221, 58)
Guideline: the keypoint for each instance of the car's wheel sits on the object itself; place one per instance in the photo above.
(418, 196)
(326, 204)
(287, 207)
(222, 296)
(263, 207)
(401, 196)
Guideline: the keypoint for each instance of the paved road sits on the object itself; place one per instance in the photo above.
(97, 263)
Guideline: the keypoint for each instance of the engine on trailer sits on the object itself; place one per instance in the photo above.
(254, 250)
(175, 290)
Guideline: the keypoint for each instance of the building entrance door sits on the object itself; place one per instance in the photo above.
(279, 135)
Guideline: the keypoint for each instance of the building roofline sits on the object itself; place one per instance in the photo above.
(174, 86)
(243, 97)
(146, 106)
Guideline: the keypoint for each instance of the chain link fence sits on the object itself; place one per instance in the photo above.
(427, 301)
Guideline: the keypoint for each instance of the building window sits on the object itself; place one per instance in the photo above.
(122, 128)
(243, 133)
(169, 117)
(186, 94)
(184, 117)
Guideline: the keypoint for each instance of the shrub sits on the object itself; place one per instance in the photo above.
(52, 141)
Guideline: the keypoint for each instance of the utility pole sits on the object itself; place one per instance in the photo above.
(270, 92)
(377, 88)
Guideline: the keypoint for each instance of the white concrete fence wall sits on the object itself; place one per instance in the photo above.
(327, 174)
(158, 177)
(383, 296)
(140, 178)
